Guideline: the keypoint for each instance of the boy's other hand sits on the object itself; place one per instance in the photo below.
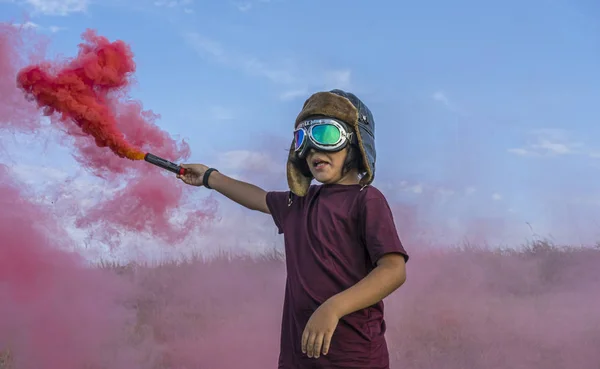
(193, 174)
(317, 334)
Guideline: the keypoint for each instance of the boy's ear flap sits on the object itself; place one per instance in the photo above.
(298, 175)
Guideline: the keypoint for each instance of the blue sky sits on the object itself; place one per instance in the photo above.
(481, 110)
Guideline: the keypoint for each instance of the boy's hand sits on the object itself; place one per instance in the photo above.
(193, 174)
(316, 337)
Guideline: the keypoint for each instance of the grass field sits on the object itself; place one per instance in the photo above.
(471, 308)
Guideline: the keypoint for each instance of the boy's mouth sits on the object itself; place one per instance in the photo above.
(319, 163)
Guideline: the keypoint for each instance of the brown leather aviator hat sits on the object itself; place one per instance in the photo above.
(347, 108)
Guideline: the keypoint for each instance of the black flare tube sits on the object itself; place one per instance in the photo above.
(163, 163)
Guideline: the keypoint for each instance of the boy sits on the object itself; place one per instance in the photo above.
(343, 255)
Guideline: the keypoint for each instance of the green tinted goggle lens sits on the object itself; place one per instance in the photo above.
(326, 134)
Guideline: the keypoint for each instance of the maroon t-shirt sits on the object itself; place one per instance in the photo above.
(333, 238)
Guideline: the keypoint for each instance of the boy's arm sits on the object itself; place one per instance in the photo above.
(245, 194)
(385, 278)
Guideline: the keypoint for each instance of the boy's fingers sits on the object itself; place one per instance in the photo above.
(318, 345)
(304, 340)
(311, 345)
(326, 343)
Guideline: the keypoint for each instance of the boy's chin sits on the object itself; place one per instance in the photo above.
(324, 178)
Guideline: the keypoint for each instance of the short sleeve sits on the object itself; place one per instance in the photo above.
(379, 229)
(277, 202)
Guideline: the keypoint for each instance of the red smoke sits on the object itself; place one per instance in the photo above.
(79, 91)
(464, 309)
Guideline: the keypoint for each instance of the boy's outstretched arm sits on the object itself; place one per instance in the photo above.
(245, 194)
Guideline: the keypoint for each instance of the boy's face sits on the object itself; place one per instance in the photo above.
(327, 167)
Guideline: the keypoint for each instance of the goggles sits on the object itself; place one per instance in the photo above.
(324, 134)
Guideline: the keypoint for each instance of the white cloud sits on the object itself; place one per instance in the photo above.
(26, 25)
(520, 151)
(549, 142)
(418, 188)
(172, 3)
(552, 147)
(245, 6)
(496, 197)
(445, 192)
(246, 160)
(415, 188)
(218, 112)
(338, 79)
(205, 46)
(32, 25)
(57, 186)
(33, 174)
(439, 192)
(184, 4)
(551, 133)
(58, 7)
(442, 98)
(55, 29)
(254, 66)
(293, 94)
(292, 76)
